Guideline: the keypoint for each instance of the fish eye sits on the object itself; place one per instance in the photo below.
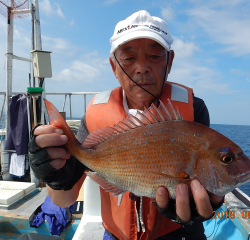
(227, 159)
(227, 156)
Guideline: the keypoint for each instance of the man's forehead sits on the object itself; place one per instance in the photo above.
(133, 44)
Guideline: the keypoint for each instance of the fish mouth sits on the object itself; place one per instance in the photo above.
(243, 178)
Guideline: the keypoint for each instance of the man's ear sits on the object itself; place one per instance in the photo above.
(113, 66)
(170, 60)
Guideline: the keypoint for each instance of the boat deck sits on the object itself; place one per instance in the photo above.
(15, 222)
(231, 221)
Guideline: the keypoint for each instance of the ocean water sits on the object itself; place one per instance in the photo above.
(240, 134)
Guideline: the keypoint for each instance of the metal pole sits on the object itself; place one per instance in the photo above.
(64, 102)
(9, 64)
(38, 38)
(5, 156)
(37, 46)
(85, 108)
(38, 41)
(70, 107)
(33, 37)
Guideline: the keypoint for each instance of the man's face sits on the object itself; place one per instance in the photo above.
(144, 60)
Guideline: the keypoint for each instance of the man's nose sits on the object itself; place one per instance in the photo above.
(142, 66)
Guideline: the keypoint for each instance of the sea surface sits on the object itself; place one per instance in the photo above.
(240, 134)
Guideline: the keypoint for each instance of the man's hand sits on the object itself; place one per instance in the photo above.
(51, 138)
(50, 162)
(201, 197)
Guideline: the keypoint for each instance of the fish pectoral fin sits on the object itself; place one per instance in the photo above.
(104, 184)
(178, 179)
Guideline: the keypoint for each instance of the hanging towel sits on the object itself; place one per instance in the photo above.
(17, 165)
(57, 217)
(18, 134)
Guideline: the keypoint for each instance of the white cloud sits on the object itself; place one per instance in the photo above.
(239, 72)
(202, 79)
(224, 27)
(47, 8)
(167, 13)
(109, 2)
(72, 22)
(79, 72)
(183, 49)
(188, 70)
(222, 3)
(89, 68)
(211, 60)
(58, 45)
(59, 11)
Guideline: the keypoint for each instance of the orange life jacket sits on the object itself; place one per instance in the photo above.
(104, 110)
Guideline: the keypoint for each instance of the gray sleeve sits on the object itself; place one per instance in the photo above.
(83, 131)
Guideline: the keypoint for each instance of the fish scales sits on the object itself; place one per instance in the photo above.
(165, 153)
(132, 156)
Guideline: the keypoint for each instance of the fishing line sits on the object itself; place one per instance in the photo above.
(212, 231)
(156, 99)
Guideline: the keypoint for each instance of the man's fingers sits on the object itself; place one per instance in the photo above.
(58, 156)
(58, 153)
(201, 199)
(182, 202)
(216, 200)
(50, 140)
(46, 129)
(57, 163)
(162, 197)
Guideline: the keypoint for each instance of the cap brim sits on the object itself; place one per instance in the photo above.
(136, 35)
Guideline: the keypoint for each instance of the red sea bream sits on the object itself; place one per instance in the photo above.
(157, 148)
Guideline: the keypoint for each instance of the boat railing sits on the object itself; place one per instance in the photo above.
(65, 94)
(70, 102)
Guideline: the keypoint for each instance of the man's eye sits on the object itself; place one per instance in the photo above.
(129, 59)
(155, 56)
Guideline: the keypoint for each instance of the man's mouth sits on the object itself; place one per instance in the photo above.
(145, 84)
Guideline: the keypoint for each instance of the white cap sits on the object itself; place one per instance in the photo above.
(141, 25)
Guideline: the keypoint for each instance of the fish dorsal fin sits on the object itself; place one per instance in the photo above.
(148, 116)
(105, 185)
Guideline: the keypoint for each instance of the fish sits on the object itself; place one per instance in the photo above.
(155, 148)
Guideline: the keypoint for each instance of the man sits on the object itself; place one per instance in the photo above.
(141, 60)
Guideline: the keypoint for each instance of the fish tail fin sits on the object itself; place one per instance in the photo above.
(56, 119)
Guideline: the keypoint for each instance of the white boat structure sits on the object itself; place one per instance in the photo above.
(18, 200)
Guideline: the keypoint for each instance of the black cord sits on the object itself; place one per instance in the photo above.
(41, 82)
(156, 99)
(163, 82)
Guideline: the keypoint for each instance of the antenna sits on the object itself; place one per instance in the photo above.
(14, 8)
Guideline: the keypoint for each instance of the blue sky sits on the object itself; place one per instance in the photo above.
(211, 44)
